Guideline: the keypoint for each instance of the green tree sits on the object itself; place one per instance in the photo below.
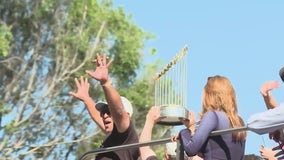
(5, 39)
(47, 43)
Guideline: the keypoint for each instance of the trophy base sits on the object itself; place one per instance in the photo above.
(171, 115)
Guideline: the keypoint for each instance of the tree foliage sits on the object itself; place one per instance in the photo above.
(5, 39)
(45, 44)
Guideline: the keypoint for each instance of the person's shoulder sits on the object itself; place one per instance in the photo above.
(211, 113)
(214, 114)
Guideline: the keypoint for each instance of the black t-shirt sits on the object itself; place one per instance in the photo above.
(115, 139)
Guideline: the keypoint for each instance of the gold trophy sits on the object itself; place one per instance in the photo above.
(170, 90)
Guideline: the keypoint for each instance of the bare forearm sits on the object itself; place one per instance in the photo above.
(270, 102)
(90, 105)
(146, 134)
(120, 116)
(95, 115)
(113, 99)
(115, 104)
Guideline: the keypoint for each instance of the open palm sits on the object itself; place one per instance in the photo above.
(82, 89)
(101, 72)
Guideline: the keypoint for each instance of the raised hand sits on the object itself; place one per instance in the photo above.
(154, 114)
(190, 122)
(268, 86)
(267, 153)
(280, 151)
(101, 72)
(82, 89)
(175, 137)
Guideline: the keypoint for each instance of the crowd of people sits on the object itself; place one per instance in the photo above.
(219, 112)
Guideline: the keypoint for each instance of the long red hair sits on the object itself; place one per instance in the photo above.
(219, 94)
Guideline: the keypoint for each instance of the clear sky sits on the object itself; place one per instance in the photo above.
(242, 40)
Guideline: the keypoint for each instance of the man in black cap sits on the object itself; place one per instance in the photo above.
(113, 117)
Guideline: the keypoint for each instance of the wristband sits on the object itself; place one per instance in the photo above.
(268, 94)
(107, 83)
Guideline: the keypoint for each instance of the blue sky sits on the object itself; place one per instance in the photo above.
(242, 40)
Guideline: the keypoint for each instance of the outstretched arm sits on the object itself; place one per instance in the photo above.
(83, 95)
(146, 134)
(192, 143)
(265, 89)
(190, 122)
(120, 116)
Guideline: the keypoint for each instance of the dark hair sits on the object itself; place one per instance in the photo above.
(252, 157)
(281, 73)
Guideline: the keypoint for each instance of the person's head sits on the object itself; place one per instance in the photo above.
(219, 95)
(105, 114)
(277, 136)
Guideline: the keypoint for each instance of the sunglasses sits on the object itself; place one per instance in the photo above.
(106, 111)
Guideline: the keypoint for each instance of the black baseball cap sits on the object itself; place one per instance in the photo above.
(103, 106)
